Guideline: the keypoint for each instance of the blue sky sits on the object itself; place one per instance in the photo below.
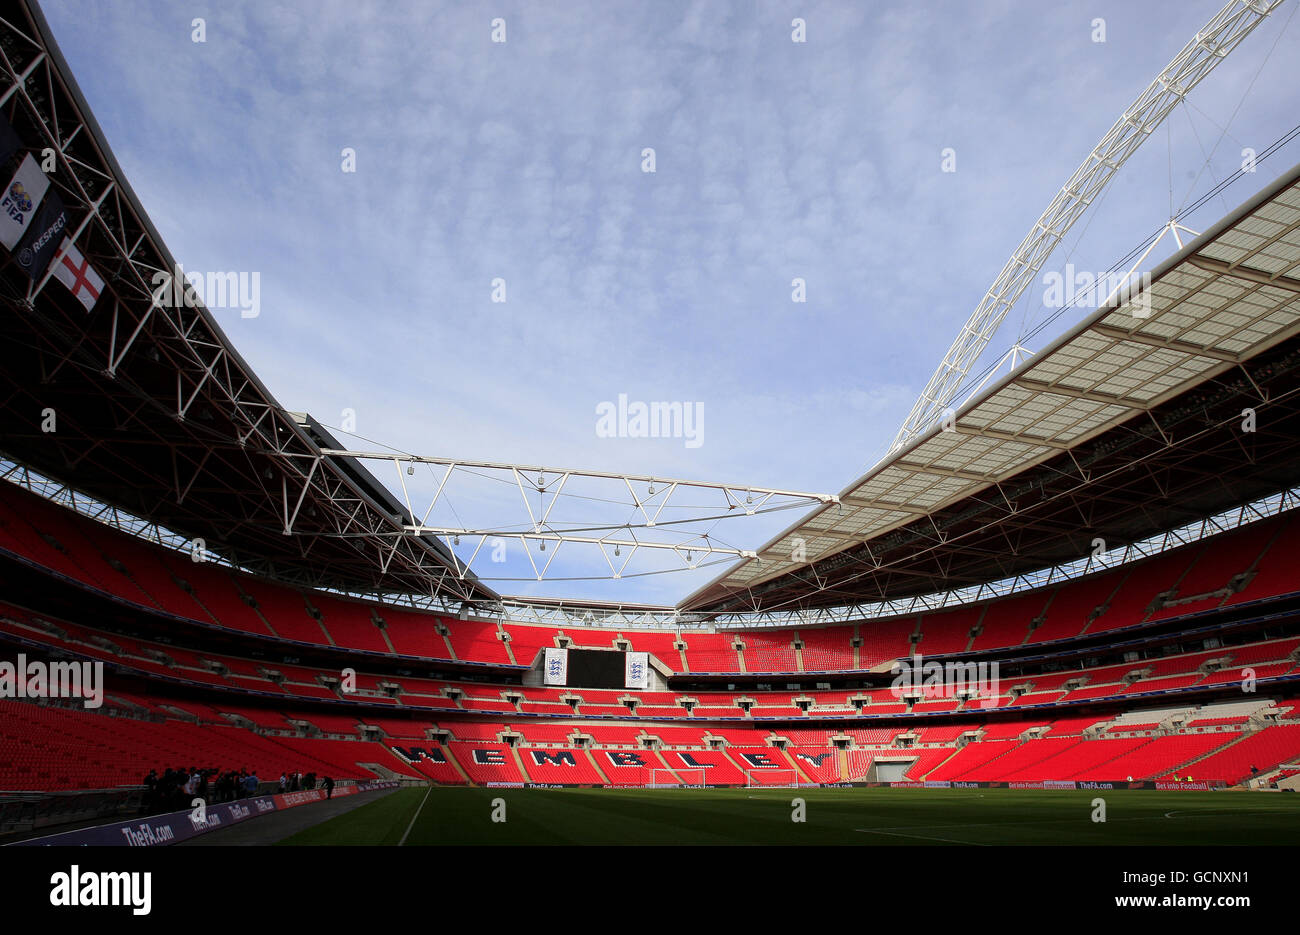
(522, 161)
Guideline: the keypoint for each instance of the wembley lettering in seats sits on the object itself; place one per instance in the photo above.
(760, 760)
(688, 760)
(813, 759)
(489, 757)
(561, 757)
(624, 758)
(412, 754)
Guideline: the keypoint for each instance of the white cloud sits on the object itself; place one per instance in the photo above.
(775, 160)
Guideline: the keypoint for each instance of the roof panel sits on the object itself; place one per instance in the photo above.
(1110, 368)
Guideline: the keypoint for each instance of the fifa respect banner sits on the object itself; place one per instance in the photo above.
(557, 666)
(44, 237)
(19, 199)
(636, 670)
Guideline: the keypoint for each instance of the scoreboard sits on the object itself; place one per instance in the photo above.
(596, 668)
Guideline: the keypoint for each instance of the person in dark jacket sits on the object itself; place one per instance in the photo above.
(150, 792)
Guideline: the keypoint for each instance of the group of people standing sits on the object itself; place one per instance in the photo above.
(177, 787)
(295, 782)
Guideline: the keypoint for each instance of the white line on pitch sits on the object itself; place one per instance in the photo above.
(415, 816)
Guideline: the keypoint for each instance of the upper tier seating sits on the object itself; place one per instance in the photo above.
(826, 650)
(1263, 555)
(661, 645)
(711, 652)
(769, 651)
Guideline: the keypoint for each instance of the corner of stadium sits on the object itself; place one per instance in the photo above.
(1063, 612)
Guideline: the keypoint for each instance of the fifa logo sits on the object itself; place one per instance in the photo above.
(22, 201)
(17, 202)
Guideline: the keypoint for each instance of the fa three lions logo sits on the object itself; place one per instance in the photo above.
(22, 201)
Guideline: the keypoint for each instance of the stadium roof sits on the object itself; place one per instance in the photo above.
(155, 411)
(1125, 426)
(1121, 429)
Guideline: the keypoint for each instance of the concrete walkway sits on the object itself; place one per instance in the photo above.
(268, 829)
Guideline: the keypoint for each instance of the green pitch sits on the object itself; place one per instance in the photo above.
(871, 817)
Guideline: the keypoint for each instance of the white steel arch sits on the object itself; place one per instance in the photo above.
(1212, 43)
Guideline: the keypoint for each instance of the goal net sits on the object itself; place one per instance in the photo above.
(772, 777)
(672, 779)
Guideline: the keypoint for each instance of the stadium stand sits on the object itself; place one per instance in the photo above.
(64, 748)
(205, 593)
(829, 649)
(768, 652)
(1217, 738)
(710, 652)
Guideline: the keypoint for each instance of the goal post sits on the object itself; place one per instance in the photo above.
(759, 778)
(683, 777)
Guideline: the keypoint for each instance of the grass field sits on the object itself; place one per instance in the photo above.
(873, 817)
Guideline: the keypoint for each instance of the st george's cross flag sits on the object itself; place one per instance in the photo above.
(75, 272)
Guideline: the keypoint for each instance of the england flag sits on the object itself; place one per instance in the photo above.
(75, 272)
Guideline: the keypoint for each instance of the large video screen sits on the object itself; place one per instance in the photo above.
(594, 668)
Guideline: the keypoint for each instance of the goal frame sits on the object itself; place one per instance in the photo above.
(678, 779)
(794, 783)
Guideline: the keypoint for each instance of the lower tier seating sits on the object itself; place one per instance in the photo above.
(45, 747)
